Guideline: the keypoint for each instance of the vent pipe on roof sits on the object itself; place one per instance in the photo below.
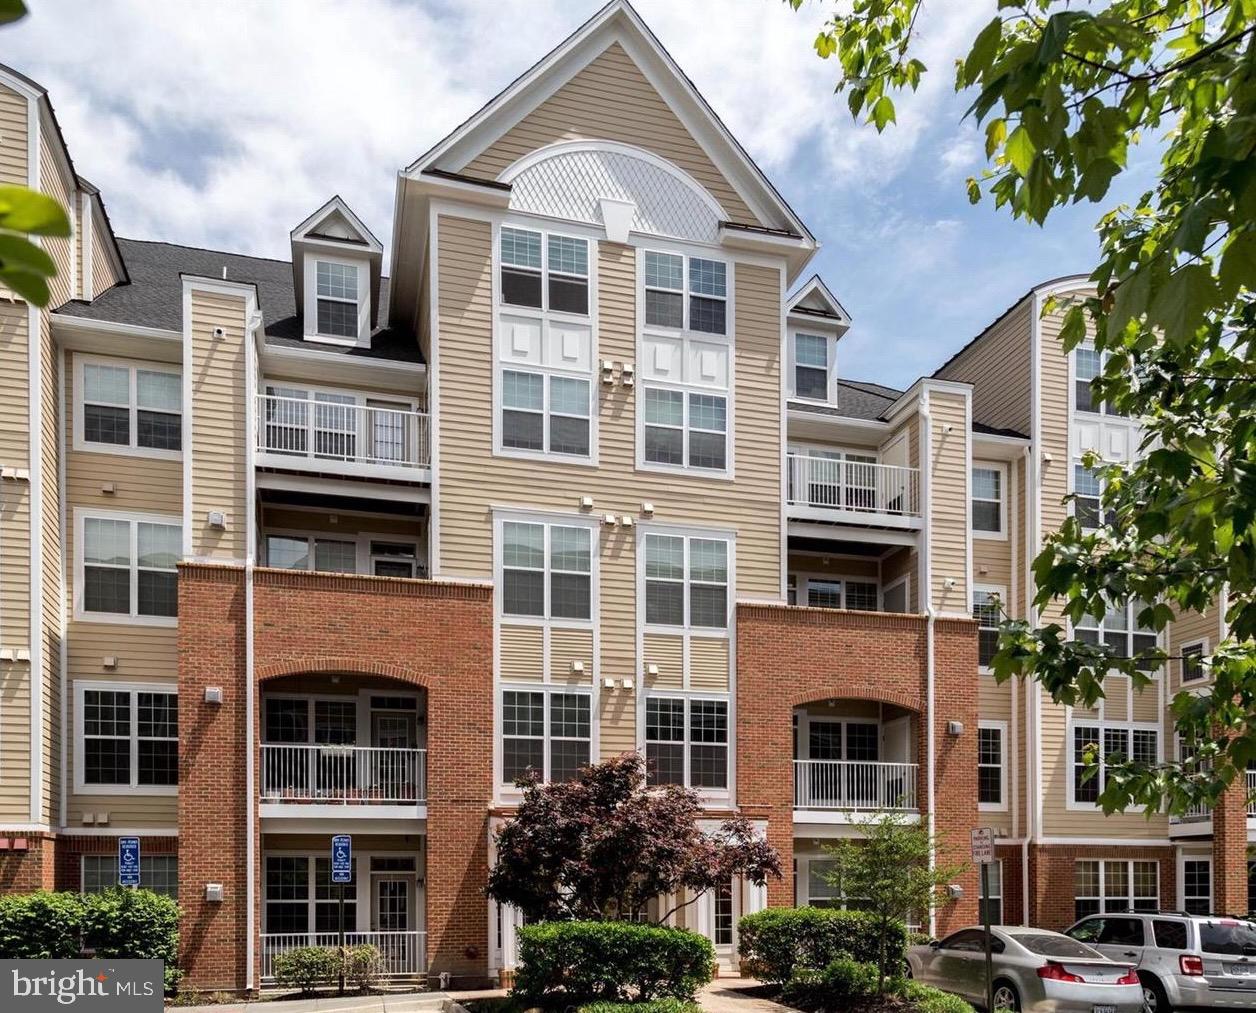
(224, 272)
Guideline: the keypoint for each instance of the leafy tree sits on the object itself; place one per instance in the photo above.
(602, 845)
(1064, 91)
(887, 873)
(24, 267)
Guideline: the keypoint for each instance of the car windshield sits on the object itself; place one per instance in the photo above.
(1050, 945)
(1230, 937)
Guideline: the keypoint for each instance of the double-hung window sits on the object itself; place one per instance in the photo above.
(1111, 743)
(337, 294)
(1088, 363)
(833, 593)
(686, 355)
(129, 408)
(1087, 497)
(987, 501)
(686, 581)
(813, 354)
(128, 567)
(546, 571)
(128, 739)
(1120, 633)
(311, 552)
(686, 741)
(546, 731)
(159, 873)
(299, 896)
(1197, 886)
(1115, 886)
(991, 761)
(986, 612)
(1193, 662)
(544, 377)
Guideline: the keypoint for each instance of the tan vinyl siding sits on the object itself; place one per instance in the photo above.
(708, 665)
(948, 494)
(218, 423)
(104, 275)
(14, 164)
(611, 99)
(992, 557)
(617, 722)
(14, 384)
(1190, 628)
(55, 181)
(997, 365)
(567, 646)
(857, 567)
(522, 653)
(667, 652)
(53, 590)
(899, 563)
(348, 525)
(15, 740)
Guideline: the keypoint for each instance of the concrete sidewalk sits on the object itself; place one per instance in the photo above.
(735, 995)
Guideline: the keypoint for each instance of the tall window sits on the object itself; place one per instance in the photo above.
(337, 293)
(722, 898)
(1120, 633)
(1088, 497)
(990, 906)
(548, 272)
(686, 581)
(987, 502)
(546, 731)
(693, 300)
(990, 764)
(546, 570)
(1112, 743)
(129, 567)
(986, 612)
(159, 873)
(1114, 886)
(1193, 662)
(300, 897)
(128, 739)
(687, 741)
(811, 367)
(1197, 886)
(1088, 364)
(133, 407)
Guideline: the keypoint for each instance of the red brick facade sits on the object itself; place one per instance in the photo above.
(28, 861)
(1052, 878)
(435, 636)
(788, 656)
(1229, 848)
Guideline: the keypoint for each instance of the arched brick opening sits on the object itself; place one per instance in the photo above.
(347, 666)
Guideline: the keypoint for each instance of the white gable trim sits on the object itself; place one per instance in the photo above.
(617, 22)
(816, 285)
(337, 204)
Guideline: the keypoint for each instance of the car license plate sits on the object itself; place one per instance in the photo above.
(1102, 1009)
(1245, 970)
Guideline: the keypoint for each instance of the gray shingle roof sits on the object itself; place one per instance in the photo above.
(154, 298)
(855, 400)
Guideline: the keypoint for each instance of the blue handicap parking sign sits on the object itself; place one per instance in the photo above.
(128, 861)
(342, 859)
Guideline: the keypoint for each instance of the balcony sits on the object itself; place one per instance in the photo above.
(1197, 820)
(404, 953)
(301, 780)
(340, 438)
(855, 786)
(837, 490)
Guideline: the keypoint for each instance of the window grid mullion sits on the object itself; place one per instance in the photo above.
(133, 700)
(133, 410)
(688, 744)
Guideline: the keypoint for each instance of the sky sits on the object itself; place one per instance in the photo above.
(224, 124)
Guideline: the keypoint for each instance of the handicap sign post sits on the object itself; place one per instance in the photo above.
(128, 861)
(341, 873)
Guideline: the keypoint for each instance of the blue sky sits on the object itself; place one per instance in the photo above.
(224, 124)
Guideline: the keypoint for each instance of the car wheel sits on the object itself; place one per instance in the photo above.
(1006, 996)
(1154, 999)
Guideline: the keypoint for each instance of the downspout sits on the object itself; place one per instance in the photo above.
(926, 591)
(250, 704)
(1027, 459)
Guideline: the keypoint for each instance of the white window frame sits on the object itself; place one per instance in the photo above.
(905, 580)
(132, 449)
(687, 743)
(310, 328)
(688, 534)
(547, 690)
(1183, 860)
(685, 336)
(113, 857)
(1103, 724)
(830, 385)
(363, 557)
(1204, 677)
(1074, 464)
(1000, 806)
(81, 514)
(81, 787)
(1131, 630)
(1001, 469)
(547, 521)
(996, 865)
(1001, 591)
(803, 580)
(1074, 379)
(1102, 898)
(545, 317)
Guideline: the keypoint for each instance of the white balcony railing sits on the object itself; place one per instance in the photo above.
(827, 483)
(361, 774)
(856, 785)
(1201, 812)
(403, 953)
(337, 431)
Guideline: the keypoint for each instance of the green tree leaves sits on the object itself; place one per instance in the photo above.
(24, 267)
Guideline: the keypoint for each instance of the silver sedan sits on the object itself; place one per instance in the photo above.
(1035, 971)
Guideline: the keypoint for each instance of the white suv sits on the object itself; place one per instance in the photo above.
(1183, 960)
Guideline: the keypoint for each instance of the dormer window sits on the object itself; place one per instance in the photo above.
(337, 299)
(811, 367)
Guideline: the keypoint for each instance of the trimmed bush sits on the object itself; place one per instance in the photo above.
(363, 966)
(927, 999)
(136, 925)
(776, 941)
(585, 962)
(841, 984)
(41, 925)
(651, 1006)
(306, 967)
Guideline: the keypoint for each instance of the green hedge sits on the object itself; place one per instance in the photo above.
(136, 924)
(306, 967)
(650, 1006)
(585, 962)
(849, 984)
(775, 941)
(927, 999)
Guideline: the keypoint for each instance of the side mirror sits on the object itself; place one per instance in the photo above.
(934, 944)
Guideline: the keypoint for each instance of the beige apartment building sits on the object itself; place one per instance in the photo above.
(291, 549)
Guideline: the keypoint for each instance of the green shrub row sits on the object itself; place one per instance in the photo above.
(136, 924)
(307, 967)
(650, 1006)
(846, 983)
(776, 941)
(571, 963)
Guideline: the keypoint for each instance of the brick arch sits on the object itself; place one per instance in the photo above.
(907, 701)
(335, 665)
